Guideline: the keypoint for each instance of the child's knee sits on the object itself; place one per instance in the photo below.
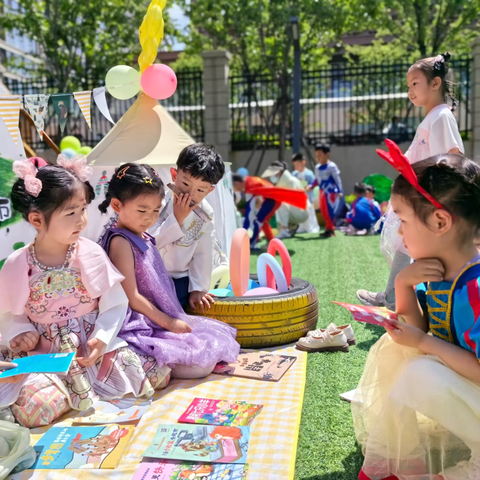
(40, 404)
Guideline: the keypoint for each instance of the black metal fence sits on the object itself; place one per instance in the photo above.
(186, 106)
(342, 105)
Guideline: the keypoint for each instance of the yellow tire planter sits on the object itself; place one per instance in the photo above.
(269, 320)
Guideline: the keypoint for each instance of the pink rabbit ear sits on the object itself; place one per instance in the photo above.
(400, 163)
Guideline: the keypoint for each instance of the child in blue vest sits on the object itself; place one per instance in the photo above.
(417, 407)
(363, 213)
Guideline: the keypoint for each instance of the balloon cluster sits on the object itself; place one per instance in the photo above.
(71, 146)
(156, 80)
(235, 281)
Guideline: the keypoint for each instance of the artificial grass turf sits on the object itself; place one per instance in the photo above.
(337, 267)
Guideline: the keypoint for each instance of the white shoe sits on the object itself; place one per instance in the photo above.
(464, 470)
(326, 342)
(283, 234)
(347, 330)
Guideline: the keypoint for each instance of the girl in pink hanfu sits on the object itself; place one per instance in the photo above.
(62, 294)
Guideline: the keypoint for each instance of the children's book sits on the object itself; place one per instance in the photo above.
(374, 315)
(194, 443)
(172, 470)
(124, 410)
(82, 447)
(258, 365)
(57, 363)
(220, 412)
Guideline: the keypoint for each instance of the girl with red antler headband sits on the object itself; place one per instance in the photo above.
(428, 87)
(416, 409)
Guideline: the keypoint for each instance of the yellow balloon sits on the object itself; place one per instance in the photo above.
(153, 21)
(160, 3)
(149, 53)
(142, 33)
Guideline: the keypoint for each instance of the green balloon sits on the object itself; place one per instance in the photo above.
(84, 150)
(70, 142)
(122, 82)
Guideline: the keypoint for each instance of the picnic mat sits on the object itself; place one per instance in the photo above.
(273, 437)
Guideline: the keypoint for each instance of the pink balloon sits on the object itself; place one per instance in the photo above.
(260, 291)
(159, 81)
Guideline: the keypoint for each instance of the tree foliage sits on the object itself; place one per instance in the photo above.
(81, 40)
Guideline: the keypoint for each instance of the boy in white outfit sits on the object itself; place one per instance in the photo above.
(186, 241)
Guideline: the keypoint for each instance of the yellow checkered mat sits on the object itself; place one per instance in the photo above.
(274, 433)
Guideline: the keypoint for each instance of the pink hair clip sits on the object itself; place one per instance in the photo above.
(77, 164)
(27, 171)
(400, 163)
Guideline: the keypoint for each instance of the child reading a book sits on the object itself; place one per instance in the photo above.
(185, 241)
(157, 325)
(417, 407)
(62, 294)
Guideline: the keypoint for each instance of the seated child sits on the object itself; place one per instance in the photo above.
(417, 407)
(62, 294)
(185, 241)
(371, 191)
(363, 214)
(157, 325)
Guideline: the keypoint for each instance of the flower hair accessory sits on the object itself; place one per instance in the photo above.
(27, 171)
(440, 60)
(148, 180)
(77, 164)
(400, 163)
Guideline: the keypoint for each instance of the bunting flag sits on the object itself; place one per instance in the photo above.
(37, 107)
(84, 100)
(101, 102)
(10, 113)
(62, 105)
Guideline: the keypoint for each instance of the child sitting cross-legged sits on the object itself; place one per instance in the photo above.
(157, 325)
(417, 407)
(364, 212)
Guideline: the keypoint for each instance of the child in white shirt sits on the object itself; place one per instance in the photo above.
(185, 241)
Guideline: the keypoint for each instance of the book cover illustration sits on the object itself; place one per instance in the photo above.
(372, 315)
(194, 443)
(82, 447)
(220, 412)
(123, 410)
(258, 365)
(171, 470)
(57, 363)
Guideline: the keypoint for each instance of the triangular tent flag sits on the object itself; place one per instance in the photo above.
(62, 104)
(101, 101)
(84, 100)
(37, 107)
(10, 113)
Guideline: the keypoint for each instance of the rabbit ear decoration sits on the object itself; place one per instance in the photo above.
(400, 163)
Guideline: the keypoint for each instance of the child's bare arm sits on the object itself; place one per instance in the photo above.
(407, 305)
(121, 256)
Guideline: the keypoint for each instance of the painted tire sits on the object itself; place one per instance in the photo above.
(269, 320)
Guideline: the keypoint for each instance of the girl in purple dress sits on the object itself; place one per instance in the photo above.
(157, 325)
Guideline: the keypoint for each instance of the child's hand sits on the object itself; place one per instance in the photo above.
(405, 334)
(182, 208)
(179, 326)
(25, 342)
(423, 270)
(96, 350)
(204, 299)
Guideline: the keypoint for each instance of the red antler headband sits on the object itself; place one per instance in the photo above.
(400, 163)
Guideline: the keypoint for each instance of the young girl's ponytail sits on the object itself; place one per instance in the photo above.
(103, 207)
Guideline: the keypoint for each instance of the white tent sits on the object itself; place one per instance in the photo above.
(148, 134)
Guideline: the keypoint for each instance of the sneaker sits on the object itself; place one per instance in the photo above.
(284, 233)
(347, 330)
(464, 470)
(327, 234)
(373, 299)
(326, 342)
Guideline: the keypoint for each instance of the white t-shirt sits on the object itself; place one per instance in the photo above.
(438, 133)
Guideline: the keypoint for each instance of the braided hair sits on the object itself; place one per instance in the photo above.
(438, 66)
